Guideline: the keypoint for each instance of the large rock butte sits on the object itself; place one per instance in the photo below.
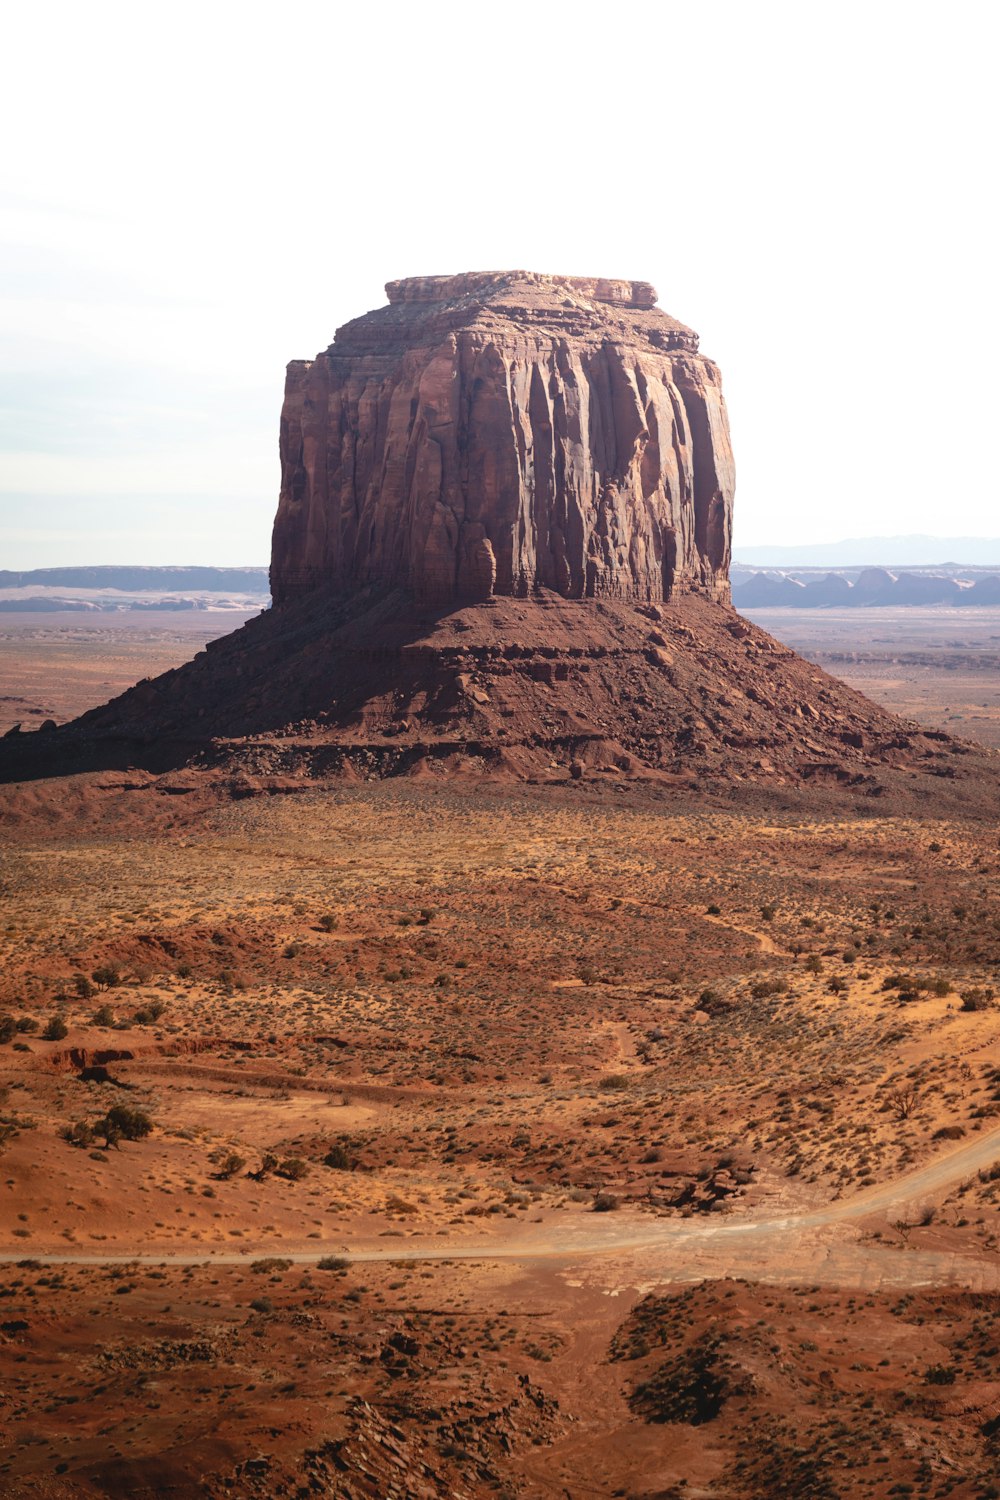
(500, 432)
(502, 549)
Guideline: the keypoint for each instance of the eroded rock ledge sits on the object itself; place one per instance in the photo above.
(495, 433)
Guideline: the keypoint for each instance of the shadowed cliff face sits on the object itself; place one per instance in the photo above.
(495, 433)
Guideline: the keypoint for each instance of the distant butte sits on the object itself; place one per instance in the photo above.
(502, 550)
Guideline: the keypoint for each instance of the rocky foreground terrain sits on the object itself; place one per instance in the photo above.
(524, 1142)
(500, 1023)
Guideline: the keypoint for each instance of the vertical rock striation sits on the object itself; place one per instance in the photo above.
(496, 433)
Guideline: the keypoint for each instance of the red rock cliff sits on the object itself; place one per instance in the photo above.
(497, 432)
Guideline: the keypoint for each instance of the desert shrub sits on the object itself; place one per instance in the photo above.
(713, 910)
(106, 977)
(337, 1157)
(104, 1016)
(268, 1165)
(333, 1263)
(293, 1168)
(147, 1014)
(979, 999)
(768, 911)
(83, 986)
(78, 1134)
(713, 1003)
(328, 921)
(949, 1133)
(836, 984)
(940, 1374)
(27, 1024)
(814, 964)
(614, 1083)
(605, 1203)
(762, 989)
(262, 1304)
(8, 1028)
(912, 985)
(123, 1123)
(230, 1165)
(55, 1029)
(270, 1264)
(292, 950)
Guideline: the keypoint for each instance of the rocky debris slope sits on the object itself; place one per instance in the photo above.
(496, 432)
(537, 689)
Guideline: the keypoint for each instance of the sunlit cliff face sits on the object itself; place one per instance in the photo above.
(501, 432)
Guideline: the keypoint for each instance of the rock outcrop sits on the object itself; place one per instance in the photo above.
(497, 433)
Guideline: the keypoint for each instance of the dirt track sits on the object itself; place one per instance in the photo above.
(791, 1248)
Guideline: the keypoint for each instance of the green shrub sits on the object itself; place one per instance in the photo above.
(977, 999)
(55, 1029)
(293, 1168)
(123, 1123)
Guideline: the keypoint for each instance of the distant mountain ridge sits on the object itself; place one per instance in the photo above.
(866, 589)
(876, 551)
(168, 579)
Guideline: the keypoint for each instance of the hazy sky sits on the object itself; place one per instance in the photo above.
(194, 194)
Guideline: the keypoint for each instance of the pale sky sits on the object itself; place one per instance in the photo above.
(194, 194)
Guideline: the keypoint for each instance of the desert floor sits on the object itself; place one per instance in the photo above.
(937, 665)
(541, 1141)
(56, 666)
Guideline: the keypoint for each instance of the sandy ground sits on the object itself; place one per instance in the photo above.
(642, 1148)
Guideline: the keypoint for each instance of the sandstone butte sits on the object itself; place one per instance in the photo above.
(500, 432)
(502, 549)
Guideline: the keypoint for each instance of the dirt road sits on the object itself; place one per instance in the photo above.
(821, 1244)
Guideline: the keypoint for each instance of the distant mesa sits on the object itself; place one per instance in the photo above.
(865, 588)
(502, 550)
(116, 588)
